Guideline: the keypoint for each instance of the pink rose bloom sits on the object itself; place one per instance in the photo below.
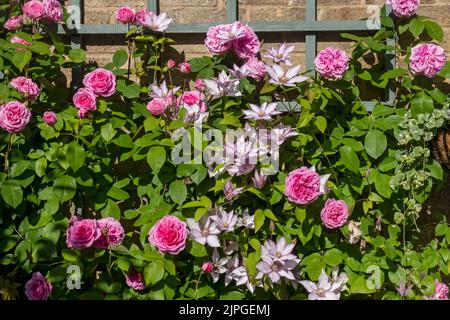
(214, 44)
(111, 233)
(157, 106)
(83, 113)
(85, 99)
(247, 46)
(82, 233)
(14, 117)
(404, 8)
(169, 235)
(125, 15)
(441, 291)
(14, 23)
(26, 87)
(192, 98)
(38, 287)
(302, 186)
(427, 59)
(185, 67)
(334, 214)
(49, 118)
(208, 267)
(143, 15)
(256, 68)
(101, 81)
(16, 39)
(135, 280)
(200, 85)
(34, 9)
(171, 64)
(331, 63)
(53, 10)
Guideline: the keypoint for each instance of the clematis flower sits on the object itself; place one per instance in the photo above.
(259, 180)
(281, 133)
(219, 265)
(246, 221)
(240, 72)
(326, 288)
(264, 112)
(280, 54)
(204, 231)
(230, 191)
(225, 221)
(157, 23)
(223, 85)
(162, 92)
(285, 78)
(275, 270)
(404, 288)
(279, 251)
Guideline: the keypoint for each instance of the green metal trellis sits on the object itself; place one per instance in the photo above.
(311, 27)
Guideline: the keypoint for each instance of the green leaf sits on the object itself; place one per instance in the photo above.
(198, 250)
(333, 257)
(111, 210)
(421, 103)
(41, 167)
(200, 63)
(375, 143)
(120, 57)
(178, 191)
(118, 194)
(18, 168)
(436, 170)
(321, 123)
(12, 193)
(349, 158)
(21, 59)
(416, 27)
(156, 158)
(77, 55)
(394, 73)
(108, 132)
(434, 30)
(64, 188)
(259, 219)
(75, 156)
(128, 89)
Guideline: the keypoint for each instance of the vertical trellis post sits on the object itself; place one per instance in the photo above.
(310, 37)
(75, 43)
(232, 11)
(153, 5)
(390, 63)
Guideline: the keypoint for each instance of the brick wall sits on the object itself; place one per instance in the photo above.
(185, 11)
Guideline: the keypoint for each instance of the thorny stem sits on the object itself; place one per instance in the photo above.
(8, 151)
(197, 282)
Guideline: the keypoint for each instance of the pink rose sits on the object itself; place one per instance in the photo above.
(427, 59)
(331, 63)
(193, 98)
(169, 235)
(200, 85)
(16, 39)
(26, 87)
(157, 106)
(208, 267)
(111, 233)
(404, 8)
(101, 81)
(38, 287)
(14, 117)
(85, 99)
(135, 280)
(171, 64)
(441, 291)
(185, 67)
(83, 113)
(14, 23)
(256, 68)
(334, 214)
(214, 44)
(247, 46)
(34, 9)
(125, 15)
(142, 16)
(53, 10)
(302, 186)
(82, 233)
(49, 118)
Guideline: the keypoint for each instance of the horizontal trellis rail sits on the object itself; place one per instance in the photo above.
(311, 27)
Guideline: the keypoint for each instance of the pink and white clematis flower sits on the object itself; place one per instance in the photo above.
(326, 288)
(204, 231)
(280, 54)
(264, 112)
(157, 23)
(287, 78)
